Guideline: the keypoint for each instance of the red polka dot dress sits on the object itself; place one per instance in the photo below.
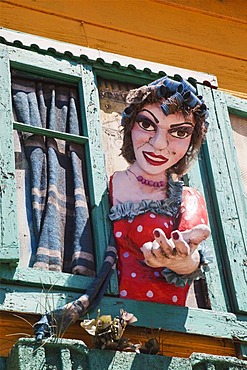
(134, 225)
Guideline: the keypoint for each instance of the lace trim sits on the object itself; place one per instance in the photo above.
(168, 207)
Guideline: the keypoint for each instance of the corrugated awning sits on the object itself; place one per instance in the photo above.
(41, 44)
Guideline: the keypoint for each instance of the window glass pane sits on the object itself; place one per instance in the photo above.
(112, 102)
(45, 103)
(239, 128)
(54, 224)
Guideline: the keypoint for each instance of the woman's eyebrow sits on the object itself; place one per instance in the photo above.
(181, 124)
(155, 118)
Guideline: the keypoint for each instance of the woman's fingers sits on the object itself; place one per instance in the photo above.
(195, 236)
(182, 243)
(181, 246)
(172, 252)
(149, 251)
(166, 247)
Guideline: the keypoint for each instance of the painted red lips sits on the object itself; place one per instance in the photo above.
(153, 159)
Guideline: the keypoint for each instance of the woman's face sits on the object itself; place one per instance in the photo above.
(160, 141)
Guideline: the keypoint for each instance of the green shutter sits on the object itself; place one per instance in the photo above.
(234, 204)
(226, 202)
(216, 175)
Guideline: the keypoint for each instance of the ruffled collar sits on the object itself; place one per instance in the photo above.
(169, 206)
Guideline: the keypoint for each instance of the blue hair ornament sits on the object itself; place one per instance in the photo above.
(176, 92)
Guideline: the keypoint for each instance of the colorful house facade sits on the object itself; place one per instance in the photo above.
(94, 52)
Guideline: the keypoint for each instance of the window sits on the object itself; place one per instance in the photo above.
(217, 176)
(226, 202)
(77, 79)
(51, 169)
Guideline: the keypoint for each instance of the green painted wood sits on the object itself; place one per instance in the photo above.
(237, 247)
(49, 133)
(1, 217)
(48, 280)
(198, 178)
(49, 66)
(125, 74)
(228, 230)
(44, 65)
(3, 363)
(8, 222)
(174, 318)
(95, 162)
(239, 108)
(236, 105)
(243, 349)
(64, 70)
(92, 129)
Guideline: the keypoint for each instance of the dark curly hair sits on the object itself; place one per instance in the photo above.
(197, 138)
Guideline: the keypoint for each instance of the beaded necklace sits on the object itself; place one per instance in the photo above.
(156, 184)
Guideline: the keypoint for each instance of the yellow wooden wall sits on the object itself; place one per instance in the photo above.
(207, 36)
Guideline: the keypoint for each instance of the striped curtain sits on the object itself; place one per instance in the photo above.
(61, 224)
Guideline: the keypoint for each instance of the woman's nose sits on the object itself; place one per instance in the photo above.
(159, 141)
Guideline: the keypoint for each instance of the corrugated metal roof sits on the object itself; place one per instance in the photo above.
(41, 44)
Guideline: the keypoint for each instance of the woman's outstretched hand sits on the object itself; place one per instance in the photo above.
(179, 253)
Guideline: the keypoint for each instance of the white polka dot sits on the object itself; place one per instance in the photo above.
(156, 273)
(174, 299)
(118, 234)
(139, 228)
(182, 210)
(130, 221)
(150, 294)
(187, 217)
(152, 215)
(118, 272)
(171, 222)
(123, 293)
(133, 274)
(126, 254)
(166, 225)
(202, 221)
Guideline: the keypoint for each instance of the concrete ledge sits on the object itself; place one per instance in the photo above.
(68, 354)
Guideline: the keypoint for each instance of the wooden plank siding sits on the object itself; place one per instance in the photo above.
(209, 37)
(14, 326)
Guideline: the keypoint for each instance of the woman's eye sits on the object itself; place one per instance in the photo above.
(182, 132)
(146, 125)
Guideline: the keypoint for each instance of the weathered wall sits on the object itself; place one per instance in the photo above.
(68, 354)
(208, 36)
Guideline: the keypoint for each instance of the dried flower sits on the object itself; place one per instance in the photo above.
(108, 332)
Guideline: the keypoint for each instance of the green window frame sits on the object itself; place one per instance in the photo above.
(227, 294)
(217, 176)
(83, 76)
